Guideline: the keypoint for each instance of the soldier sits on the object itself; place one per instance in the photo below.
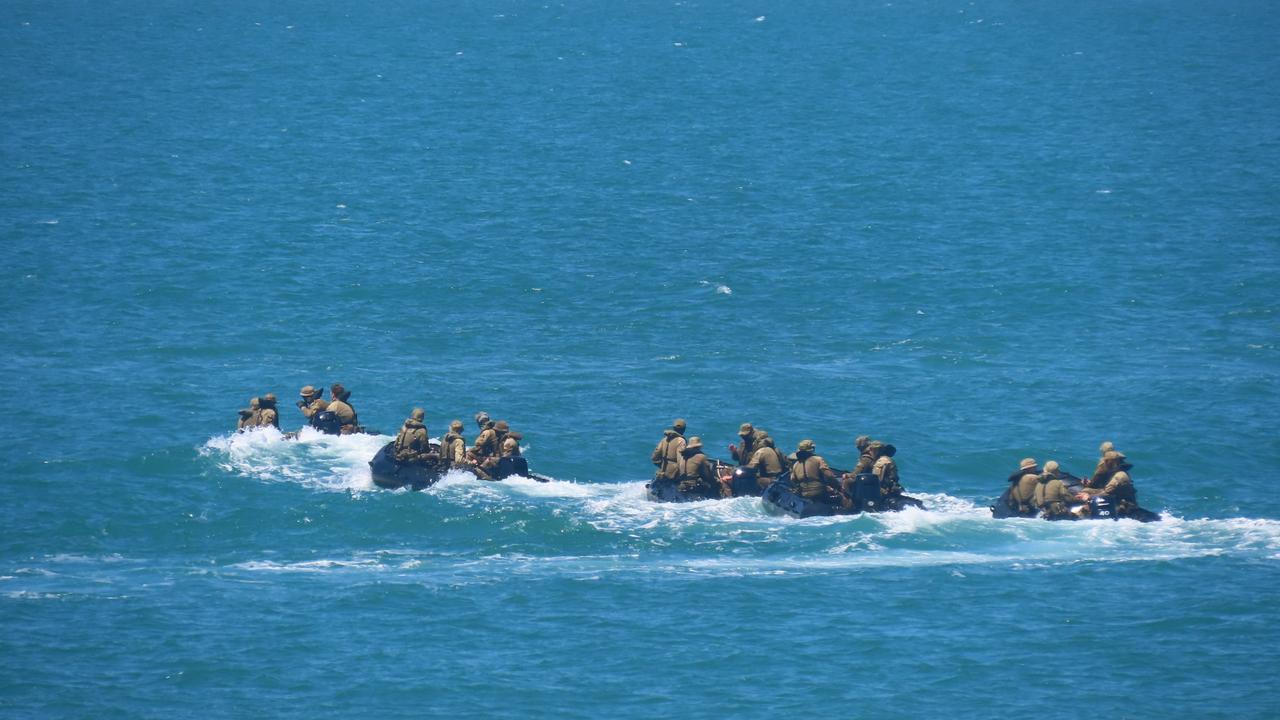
(500, 430)
(885, 468)
(767, 461)
(1051, 494)
(486, 445)
(510, 447)
(750, 442)
(1112, 462)
(1023, 487)
(412, 444)
(267, 415)
(697, 476)
(666, 456)
(248, 416)
(865, 459)
(1120, 490)
(312, 403)
(338, 405)
(814, 479)
(453, 448)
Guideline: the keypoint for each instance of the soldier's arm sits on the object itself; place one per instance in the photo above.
(658, 452)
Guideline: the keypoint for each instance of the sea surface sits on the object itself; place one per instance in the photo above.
(980, 231)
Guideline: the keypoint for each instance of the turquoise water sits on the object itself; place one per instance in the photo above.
(980, 231)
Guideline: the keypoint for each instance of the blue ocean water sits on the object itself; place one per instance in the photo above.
(978, 230)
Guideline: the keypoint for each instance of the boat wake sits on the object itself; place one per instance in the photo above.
(615, 524)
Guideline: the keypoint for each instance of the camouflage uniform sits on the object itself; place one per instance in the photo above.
(750, 441)
(412, 443)
(768, 462)
(1051, 495)
(453, 448)
(1111, 463)
(697, 476)
(486, 445)
(866, 460)
(500, 431)
(1121, 491)
(667, 454)
(312, 403)
(812, 477)
(346, 414)
(1023, 491)
(268, 416)
(887, 471)
(248, 416)
(510, 447)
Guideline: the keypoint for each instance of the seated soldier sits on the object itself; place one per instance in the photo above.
(312, 403)
(750, 441)
(339, 406)
(412, 444)
(814, 479)
(666, 456)
(885, 469)
(268, 416)
(697, 476)
(1112, 462)
(1052, 497)
(865, 459)
(1119, 490)
(453, 448)
(1022, 489)
(767, 462)
(248, 416)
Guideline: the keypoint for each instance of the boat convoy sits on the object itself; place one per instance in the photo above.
(799, 485)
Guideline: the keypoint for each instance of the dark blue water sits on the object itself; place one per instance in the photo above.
(980, 231)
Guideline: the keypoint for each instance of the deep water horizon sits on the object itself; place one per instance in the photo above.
(981, 231)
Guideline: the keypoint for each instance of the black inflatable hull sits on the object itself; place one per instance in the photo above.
(391, 475)
(1100, 508)
(668, 492)
(781, 498)
(744, 484)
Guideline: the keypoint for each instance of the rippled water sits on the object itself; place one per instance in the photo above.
(978, 230)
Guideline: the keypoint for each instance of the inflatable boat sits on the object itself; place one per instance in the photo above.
(781, 498)
(1100, 508)
(742, 479)
(390, 475)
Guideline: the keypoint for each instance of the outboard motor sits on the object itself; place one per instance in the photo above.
(1100, 506)
(745, 481)
(866, 491)
(511, 465)
(327, 422)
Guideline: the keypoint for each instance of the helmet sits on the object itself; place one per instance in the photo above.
(694, 442)
(1027, 464)
(418, 414)
(862, 442)
(806, 446)
(456, 426)
(502, 426)
(270, 398)
(482, 417)
(1106, 447)
(678, 425)
(1051, 467)
(308, 391)
(745, 429)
